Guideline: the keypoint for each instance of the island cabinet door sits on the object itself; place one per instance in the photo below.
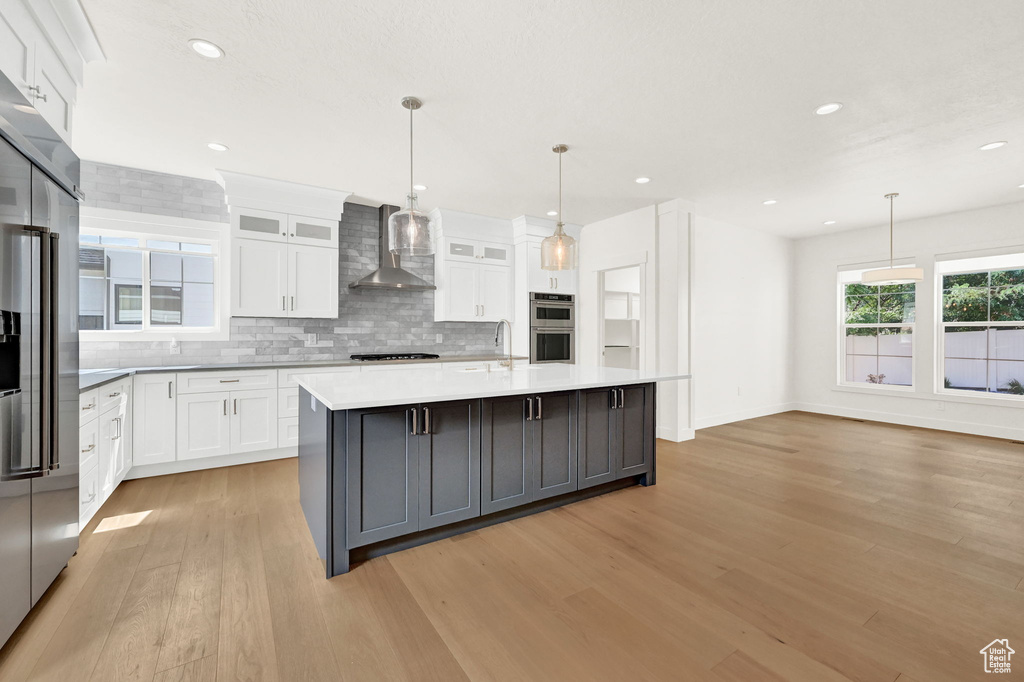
(506, 455)
(449, 462)
(635, 412)
(554, 444)
(598, 451)
(382, 462)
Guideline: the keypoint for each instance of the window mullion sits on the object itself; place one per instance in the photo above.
(145, 290)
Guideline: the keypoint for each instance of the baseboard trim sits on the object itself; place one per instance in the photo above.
(184, 465)
(674, 435)
(752, 413)
(910, 420)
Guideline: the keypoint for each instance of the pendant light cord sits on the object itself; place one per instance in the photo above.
(559, 188)
(411, 157)
(892, 198)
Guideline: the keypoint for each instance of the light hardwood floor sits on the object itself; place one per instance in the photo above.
(792, 547)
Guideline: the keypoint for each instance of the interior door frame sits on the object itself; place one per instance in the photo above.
(639, 261)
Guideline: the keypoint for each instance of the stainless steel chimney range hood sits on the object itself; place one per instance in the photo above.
(389, 273)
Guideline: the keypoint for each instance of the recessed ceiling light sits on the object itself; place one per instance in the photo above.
(992, 145)
(829, 222)
(769, 202)
(642, 181)
(217, 146)
(206, 48)
(552, 212)
(419, 188)
(830, 108)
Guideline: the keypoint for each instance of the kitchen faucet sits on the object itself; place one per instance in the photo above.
(507, 362)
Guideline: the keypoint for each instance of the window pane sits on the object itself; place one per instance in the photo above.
(166, 246)
(1006, 343)
(196, 248)
(965, 304)
(88, 239)
(897, 288)
(165, 304)
(1006, 376)
(882, 355)
(1008, 303)
(896, 307)
(895, 371)
(974, 279)
(119, 241)
(985, 359)
(165, 267)
(128, 304)
(896, 341)
(197, 269)
(862, 309)
(858, 289)
(966, 342)
(966, 375)
(1006, 277)
(197, 305)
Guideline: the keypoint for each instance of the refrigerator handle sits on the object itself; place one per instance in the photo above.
(54, 377)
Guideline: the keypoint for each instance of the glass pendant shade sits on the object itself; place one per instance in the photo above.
(411, 232)
(558, 252)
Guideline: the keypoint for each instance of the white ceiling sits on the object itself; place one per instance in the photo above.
(713, 99)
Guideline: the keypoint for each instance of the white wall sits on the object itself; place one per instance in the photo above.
(816, 330)
(742, 323)
(656, 238)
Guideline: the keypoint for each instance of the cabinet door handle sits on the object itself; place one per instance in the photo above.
(556, 282)
(114, 394)
(170, 387)
(293, 303)
(234, 406)
(529, 409)
(229, 381)
(282, 303)
(615, 398)
(482, 309)
(426, 420)
(89, 407)
(622, 397)
(415, 422)
(90, 448)
(540, 405)
(225, 407)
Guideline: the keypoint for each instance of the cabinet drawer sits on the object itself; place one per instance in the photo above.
(88, 496)
(114, 394)
(89, 444)
(287, 402)
(89, 404)
(286, 377)
(205, 382)
(287, 432)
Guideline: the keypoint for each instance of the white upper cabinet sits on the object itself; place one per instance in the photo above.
(251, 223)
(44, 45)
(259, 279)
(472, 267)
(548, 281)
(312, 281)
(285, 247)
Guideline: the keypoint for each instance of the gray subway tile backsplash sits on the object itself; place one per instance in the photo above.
(368, 321)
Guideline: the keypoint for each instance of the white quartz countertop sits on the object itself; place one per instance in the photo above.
(430, 385)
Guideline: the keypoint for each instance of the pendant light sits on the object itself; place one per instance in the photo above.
(892, 274)
(410, 232)
(558, 252)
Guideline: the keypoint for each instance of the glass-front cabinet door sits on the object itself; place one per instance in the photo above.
(252, 223)
(313, 231)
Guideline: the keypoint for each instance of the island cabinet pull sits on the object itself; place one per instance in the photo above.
(539, 407)
(415, 421)
(529, 409)
(622, 397)
(426, 421)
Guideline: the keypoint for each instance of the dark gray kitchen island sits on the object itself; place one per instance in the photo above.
(395, 459)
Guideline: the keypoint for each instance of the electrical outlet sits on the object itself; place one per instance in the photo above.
(174, 348)
(440, 338)
(311, 339)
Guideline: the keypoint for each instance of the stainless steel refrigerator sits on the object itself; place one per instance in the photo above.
(38, 357)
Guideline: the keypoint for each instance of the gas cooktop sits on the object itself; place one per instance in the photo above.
(372, 357)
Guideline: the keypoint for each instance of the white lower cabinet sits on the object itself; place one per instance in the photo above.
(287, 432)
(253, 422)
(154, 411)
(105, 444)
(203, 425)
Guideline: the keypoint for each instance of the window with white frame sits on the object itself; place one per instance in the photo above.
(133, 282)
(981, 326)
(876, 332)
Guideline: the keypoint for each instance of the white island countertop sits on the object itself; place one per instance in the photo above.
(431, 385)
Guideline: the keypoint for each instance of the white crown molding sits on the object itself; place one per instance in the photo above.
(67, 29)
(267, 194)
